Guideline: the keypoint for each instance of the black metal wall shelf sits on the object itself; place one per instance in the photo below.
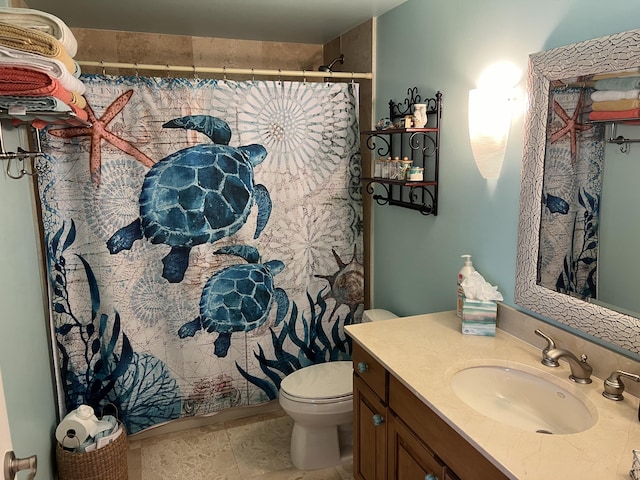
(421, 145)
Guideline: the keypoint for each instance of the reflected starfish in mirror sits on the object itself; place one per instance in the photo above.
(571, 126)
(98, 131)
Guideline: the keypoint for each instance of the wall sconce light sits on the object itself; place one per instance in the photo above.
(490, 113)
(489, 125)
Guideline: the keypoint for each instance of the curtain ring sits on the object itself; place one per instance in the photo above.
(279, 76)
(195, 73)
(224, 73)
(135, 65)
(352, 78)
(253, 76)
(304, 77)
(103, 71)
(168, 70)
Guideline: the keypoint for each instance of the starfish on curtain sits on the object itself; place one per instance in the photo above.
(98, 131)
(571, 126)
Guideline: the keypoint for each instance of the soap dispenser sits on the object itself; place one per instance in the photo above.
(466, 269)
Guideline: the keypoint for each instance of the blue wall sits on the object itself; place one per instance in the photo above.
(445, 45)
(618, 258)
(25, 358)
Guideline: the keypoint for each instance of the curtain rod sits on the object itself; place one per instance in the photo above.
(224, 70)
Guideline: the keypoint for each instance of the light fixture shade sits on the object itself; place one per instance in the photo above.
(489, 124)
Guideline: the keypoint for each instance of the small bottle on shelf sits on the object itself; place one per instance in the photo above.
(377, 168)
(404, 169)
(395, 169)
(386, 168)
(415, 174)
(408, 121)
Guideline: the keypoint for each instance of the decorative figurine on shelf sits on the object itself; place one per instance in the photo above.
(383, 124)
(419, 115)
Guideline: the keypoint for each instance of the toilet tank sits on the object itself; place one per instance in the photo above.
(376, 314)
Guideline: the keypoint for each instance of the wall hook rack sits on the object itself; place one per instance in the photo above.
(621, 140)
(22, 162)
(17, 165)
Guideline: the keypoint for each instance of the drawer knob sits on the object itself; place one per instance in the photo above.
(430, 476)
(363, 367)
(378, 419)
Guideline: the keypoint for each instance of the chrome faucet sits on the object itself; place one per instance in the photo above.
(580, 369)
(613, 386)
(546, 360)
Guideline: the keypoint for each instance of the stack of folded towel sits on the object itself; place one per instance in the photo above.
(39, 81)
(616, 98)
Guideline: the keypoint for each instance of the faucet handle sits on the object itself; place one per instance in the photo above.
(546, 359)
(613, 386)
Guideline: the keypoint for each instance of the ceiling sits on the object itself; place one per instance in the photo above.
(297, 21)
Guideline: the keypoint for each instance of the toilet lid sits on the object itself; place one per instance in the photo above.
(323, 380)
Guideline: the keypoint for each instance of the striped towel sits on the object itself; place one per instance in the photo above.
(42, 22)
(616, 105)
(13, 103)
(42, 120)
(11, 57)
(31, 83)
(619, 73)
(619, 115)
(41, 111)
(32, 41)
(78, 100)
(607, 95)
(618, 83)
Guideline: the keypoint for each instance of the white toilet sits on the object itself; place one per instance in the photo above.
(319, 399)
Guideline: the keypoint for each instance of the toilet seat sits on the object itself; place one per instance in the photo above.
(328, 382)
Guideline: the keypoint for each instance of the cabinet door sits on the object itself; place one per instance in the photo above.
(408, 457)
(370, 433)
(447, 444)
(449, 475)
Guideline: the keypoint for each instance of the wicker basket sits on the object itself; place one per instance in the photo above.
(635, 466)
(106, 463)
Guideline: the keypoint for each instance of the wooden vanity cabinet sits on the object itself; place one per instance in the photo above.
(454, 451)
(370, 417)
(369, 439)
(398, 437)
(408, 458)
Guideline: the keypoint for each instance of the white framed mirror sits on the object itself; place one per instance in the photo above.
(613, 53)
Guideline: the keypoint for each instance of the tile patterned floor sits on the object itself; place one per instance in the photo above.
(255, 448)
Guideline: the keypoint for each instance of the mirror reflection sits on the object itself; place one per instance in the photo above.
(584, 251)
(576, 260)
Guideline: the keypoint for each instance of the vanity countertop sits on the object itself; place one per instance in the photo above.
(425, 351)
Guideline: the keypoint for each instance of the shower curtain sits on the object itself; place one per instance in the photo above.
(204, 239)
(572, 185)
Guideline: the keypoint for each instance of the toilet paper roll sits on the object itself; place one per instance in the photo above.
(72, 432)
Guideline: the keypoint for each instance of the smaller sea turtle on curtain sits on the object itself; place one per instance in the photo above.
(238, 298)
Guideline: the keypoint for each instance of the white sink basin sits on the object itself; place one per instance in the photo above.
(524, 400)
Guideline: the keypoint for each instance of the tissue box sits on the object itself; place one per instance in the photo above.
(479, 317)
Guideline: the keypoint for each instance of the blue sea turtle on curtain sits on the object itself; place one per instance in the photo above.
(238, 298)
(312, 173)
(197, 195)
